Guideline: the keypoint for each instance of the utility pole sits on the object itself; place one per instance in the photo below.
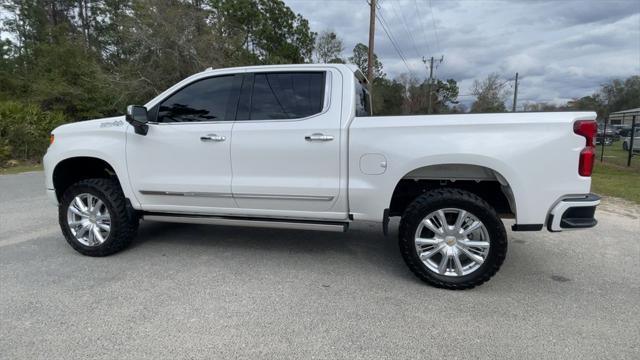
(515, 94)
(633, 135)
(431, 60)
(604, 137)
(430, 84)
(372, 33)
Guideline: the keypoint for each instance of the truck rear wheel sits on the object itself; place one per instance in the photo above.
(452, 239)
(94, 217)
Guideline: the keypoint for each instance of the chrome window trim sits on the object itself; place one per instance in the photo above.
(326, 106)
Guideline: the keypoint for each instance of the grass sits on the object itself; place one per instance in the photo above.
(614, 155)
(612, 177)
(20, 169)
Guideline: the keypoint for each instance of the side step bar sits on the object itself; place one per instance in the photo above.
(248, 222)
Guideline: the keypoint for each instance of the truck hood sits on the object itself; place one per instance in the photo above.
(110, 123)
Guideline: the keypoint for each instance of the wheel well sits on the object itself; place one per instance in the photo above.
(482, 181)
(72, 170)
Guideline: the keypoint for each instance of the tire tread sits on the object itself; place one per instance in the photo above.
(126, 223)
(408, 227)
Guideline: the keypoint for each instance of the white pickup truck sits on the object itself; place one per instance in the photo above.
(295, 146)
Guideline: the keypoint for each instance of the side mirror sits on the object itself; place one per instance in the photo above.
(137, 116)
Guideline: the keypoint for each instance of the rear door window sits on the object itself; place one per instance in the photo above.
(281, 95)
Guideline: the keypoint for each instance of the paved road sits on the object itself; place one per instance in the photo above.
(185, 291)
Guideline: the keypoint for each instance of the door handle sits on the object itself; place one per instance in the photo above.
(213, 137)
(318, 137)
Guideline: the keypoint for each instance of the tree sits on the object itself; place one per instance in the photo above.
(388, 97)
(620, 95)
(329, 48)
(161, 43)
(90, 58)
(594, 102)
(52, 64)
(360, 59)
(490, 94)
(613, 96)
(543, 106)
(79, 59)
(458, 109)
(443, 94)
(272, 32)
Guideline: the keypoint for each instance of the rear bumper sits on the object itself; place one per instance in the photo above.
(573, 212)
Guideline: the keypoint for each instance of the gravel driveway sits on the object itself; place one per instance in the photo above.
(188, 291)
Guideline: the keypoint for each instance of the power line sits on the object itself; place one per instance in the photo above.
(424, 31)
(387, 31)
(393, 38)
(435, 29)
(406, 28)
(395, 46)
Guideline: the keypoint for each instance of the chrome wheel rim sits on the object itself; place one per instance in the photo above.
(89, 220)
(452, 242)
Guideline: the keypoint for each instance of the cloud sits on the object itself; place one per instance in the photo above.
(561, 49)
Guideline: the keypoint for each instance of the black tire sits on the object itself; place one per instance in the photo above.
(452, 198)
(124, 223)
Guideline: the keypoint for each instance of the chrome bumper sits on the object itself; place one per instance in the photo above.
(573, 212)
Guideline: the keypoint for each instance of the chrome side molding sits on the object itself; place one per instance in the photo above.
(248, 222)
(237, 196)
(189, 193)
(283, 197)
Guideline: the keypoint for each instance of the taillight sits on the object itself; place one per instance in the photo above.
(587, 159)
(587, 129)
(51, 139)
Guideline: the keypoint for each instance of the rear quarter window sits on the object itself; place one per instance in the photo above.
(363, 100)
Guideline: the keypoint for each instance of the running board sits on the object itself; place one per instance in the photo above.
(248, 222)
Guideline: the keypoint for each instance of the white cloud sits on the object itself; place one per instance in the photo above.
(562, 49)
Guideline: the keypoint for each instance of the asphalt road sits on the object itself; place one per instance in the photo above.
(187, 291)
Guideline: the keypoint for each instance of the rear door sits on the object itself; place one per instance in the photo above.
(286, 141)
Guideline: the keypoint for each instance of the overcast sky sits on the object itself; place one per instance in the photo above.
(562, 49)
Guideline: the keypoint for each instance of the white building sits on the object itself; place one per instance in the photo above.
(624, 117)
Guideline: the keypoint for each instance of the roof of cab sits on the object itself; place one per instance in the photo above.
(350, 67)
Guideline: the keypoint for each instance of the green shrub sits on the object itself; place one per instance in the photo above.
(25, 129)
(5, 151)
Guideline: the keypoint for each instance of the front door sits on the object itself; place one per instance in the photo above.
(286, 142)
(183, 163)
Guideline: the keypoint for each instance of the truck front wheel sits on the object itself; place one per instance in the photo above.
(452, 239)
(94, 217)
